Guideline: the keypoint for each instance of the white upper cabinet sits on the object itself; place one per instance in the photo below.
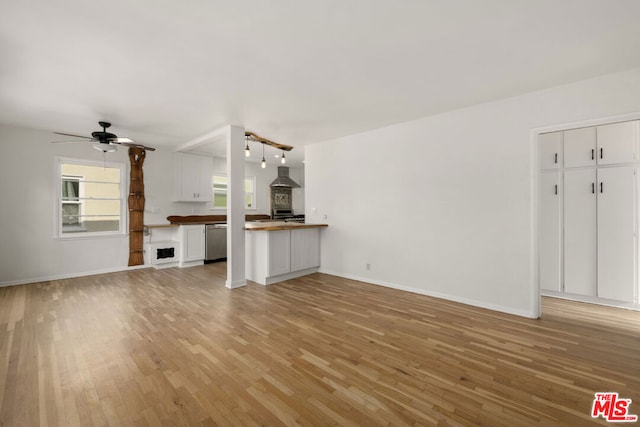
(580, 147)
(617, 143)
(551, 150)
(194, 178)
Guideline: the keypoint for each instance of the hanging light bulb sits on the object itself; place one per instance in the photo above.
(283, 159)
(247, 151)
(263, 164)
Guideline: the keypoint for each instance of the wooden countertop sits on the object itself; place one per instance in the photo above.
(279, 225)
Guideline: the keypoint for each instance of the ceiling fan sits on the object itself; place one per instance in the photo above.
(104, 141)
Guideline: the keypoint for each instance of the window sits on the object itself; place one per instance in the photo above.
(91, 198)
(220, 192)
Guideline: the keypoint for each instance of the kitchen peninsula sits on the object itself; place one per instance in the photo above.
(278, 251)
(274, 250)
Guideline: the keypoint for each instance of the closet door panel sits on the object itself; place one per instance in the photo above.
(580, 237)
(551, 150)
(550, 229)
(617, 142)
(615, 233)
(580, 147)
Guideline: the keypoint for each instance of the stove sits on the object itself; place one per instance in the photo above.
(286, 215)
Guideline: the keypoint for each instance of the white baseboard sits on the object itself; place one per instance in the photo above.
(235, 284)
(480, 304)
(592, 300)
(69, 275)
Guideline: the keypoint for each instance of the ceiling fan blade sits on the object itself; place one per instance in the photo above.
(75, 136)
(70, 142)
(133, 145)
(121, 140)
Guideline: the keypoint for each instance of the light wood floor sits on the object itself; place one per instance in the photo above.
(174, 347)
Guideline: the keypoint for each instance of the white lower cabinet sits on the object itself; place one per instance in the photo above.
(550, 225)
(305, 248)
(192, 239)
(616, 233)
(580, 232)
(587, 233)
(276, 255)
(279, 253)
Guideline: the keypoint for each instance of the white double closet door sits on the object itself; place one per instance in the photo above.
(599, 232)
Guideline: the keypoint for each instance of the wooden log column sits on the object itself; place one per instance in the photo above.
(136, 206)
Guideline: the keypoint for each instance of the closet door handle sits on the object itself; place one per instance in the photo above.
(601, 151)
(593, 154)
(555, 158)
(556, 189)
(593, 188)
(601, 187)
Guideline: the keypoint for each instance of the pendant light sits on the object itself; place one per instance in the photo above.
(247, 151)
(283, 159)
(263, 164)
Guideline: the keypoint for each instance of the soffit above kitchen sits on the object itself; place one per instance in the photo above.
(296, 72)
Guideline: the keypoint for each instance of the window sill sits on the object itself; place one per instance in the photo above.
(88, 236)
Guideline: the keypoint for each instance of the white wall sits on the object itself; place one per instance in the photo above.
(28, 250)
(444, 205)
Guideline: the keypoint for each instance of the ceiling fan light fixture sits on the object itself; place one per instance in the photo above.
(105, 148)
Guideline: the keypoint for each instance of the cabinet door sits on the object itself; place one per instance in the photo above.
(194, 175)
(279, 252)
(193, 242)
(305, 248)
(551, 199)
(615, 233)
(551, 150)
(186, 167)
(617, 142)
(580, 244)
(204, 192)
(580, 147)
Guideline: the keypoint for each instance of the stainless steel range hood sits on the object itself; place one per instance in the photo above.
(283, 179)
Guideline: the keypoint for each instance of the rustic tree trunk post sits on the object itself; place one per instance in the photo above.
(136, 206)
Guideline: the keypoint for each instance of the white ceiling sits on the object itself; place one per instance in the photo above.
(294, 71)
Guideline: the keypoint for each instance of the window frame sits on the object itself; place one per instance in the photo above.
(59, 176)
(246, 178)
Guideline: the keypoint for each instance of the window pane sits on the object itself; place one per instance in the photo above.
(92, 198)
(70, 188)
(220, 200)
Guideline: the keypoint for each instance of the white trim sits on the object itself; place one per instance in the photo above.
(69, 275)
(124, 189)
(535, 215)
(233, 285)
(592, 300)
(536, 206)
(475, 303)
(220, 134)
(588, 123)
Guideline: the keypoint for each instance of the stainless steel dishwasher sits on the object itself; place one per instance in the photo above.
(216, 249)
